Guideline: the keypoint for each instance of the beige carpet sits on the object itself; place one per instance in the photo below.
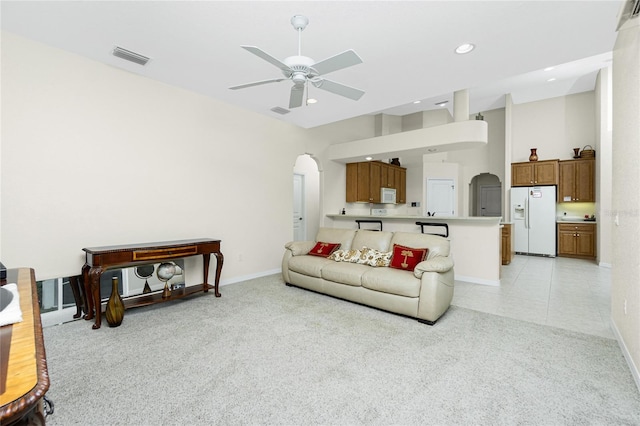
(266, 353)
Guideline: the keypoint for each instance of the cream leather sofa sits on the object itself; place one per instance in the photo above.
(424, 293)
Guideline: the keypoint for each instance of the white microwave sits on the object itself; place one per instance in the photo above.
(388, 196)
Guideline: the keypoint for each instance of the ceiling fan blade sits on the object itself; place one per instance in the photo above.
(264, 55)
(297, 93)
(257, 83)
(339, 89)
(337, 62)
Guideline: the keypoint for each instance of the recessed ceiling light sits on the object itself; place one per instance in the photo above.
(432, 149)
(441, 104)
(552, 79)
(549, 68)
(368, 158)
(416, 102)
(465, 48)
(311, 101)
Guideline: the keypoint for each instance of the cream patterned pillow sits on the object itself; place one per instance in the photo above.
(373, 257)
(352, 256)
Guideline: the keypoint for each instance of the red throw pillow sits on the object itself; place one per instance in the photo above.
(324, 249)
(406, 257)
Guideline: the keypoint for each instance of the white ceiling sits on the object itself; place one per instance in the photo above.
(407, 48)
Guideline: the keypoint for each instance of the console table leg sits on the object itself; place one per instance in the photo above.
(219, 262)
(94, 278)
(88, 296)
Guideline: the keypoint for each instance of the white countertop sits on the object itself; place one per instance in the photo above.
(575, 221)
(481, 219)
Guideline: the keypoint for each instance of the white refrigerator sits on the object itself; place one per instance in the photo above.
(533, 212)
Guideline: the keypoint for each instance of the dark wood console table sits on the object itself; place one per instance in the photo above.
(99, 259)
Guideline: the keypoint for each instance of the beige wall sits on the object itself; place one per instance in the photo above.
(554, 126)
(625, 285)
(92, 156)
(603, 167)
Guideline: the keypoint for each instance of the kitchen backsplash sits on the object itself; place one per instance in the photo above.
(577, 210)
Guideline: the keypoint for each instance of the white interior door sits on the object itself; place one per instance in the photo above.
(299, 222)
(441, 196)
(490, 200)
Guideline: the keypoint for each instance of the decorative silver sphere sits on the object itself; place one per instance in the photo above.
(166, 271)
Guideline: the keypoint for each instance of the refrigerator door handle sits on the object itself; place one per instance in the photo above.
(526, 213)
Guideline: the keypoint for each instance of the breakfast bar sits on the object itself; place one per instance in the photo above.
(475, 240)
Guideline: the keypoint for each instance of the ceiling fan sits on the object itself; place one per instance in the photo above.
(302, 69)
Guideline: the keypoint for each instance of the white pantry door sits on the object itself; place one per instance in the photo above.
(441, 195)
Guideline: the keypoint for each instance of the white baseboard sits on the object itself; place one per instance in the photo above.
(475, 280)
(625, 351)
(250, 276)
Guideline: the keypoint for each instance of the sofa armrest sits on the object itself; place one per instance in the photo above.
(437, 264)
(298, 248)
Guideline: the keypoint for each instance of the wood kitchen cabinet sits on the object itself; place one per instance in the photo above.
(400, 184)
(358, 183)
(365, 179)
(577, 240)
(534, 173)
(507, 253)
(577, 181)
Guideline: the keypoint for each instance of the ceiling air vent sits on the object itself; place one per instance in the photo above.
(130, 56)
(280, 110)
(630, 9)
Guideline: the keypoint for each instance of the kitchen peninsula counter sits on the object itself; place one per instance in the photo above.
(475, 241)
(440, 219)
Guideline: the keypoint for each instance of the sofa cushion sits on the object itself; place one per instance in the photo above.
(373, 239)
(438, 246)
(376, 258)
(335, 235)
(406, 257)
(344, 273)
(308, 265)
(393, 281)
(323, 249)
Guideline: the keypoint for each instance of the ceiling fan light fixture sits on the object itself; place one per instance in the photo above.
(465, 48)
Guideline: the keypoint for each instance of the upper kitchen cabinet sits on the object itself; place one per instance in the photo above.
(364, 181)
(359, 183)
(577, 181)
(400, 174)
(532, 173)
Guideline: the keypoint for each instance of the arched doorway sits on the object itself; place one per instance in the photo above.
(485, 192)
(306, 198)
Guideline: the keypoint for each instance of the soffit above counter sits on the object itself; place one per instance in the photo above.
(447, 137)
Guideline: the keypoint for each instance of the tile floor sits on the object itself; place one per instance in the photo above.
(573, 294)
